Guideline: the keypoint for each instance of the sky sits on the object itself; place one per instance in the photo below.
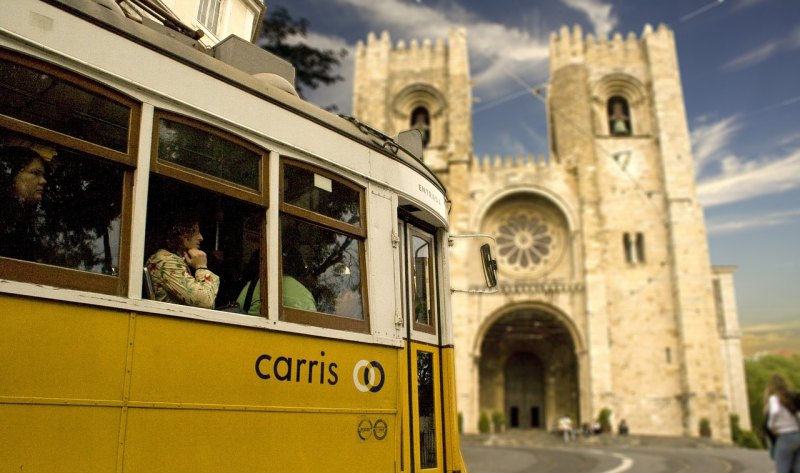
(740, 67)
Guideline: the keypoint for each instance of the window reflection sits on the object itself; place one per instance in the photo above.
(59, 206)
(48, 101)
(326, 263)
(317, 193)
(209, 153)
(427, 409)
(422, 280)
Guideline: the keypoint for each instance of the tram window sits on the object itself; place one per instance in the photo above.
(60, 207)
(317, 193)
(231, 235)
(195, 148)
(220, 180)
(322, 249)
(422, 277)
(66, 151)
(44, 99)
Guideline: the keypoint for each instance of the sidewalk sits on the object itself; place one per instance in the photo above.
(540, 438)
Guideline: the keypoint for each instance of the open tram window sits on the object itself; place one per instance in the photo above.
(205, 217)
(322, 249)
(67, 150)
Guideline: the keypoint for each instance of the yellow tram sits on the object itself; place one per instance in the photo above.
(334, 234)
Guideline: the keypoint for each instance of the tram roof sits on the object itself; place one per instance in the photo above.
(188, 51)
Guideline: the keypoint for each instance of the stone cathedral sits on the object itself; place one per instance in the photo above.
(606, 295)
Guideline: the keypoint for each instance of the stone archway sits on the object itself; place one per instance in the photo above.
(528, 369)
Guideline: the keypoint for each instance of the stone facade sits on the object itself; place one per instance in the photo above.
(606, 298)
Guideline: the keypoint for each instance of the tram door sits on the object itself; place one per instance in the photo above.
(424, 367)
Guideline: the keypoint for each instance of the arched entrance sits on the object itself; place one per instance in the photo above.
(528, 370)
(524, 391)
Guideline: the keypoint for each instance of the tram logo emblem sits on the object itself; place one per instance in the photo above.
(368, 376)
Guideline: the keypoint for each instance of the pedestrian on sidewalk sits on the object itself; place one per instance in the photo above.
(565, 426)
(782, 425)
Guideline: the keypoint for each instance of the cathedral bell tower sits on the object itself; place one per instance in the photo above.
(617, 120)
(423, 86)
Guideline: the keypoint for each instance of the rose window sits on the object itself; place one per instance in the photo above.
(524, 241)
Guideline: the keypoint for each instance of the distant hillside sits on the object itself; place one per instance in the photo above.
(781, 338)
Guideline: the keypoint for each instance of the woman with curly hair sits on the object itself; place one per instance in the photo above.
(782, 422)
(179, 269)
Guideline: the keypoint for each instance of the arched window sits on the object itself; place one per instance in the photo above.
(619, 116)
(421, 120)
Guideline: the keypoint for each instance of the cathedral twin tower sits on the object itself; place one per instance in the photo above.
(607, 298)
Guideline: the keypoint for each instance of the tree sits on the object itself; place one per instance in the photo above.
(313, 66)
(757, 372)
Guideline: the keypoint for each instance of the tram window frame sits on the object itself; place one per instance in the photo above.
(205, 182)
(430, 239)
(202, 179)
(359, 232)
(60, 276)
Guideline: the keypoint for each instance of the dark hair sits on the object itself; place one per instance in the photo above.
(14, 159)
(182, 226)
(777, 385)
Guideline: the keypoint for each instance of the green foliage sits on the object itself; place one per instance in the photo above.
(604, 419)
(279, 32)
(705, 427)
(743, 438)
(498, 420)
(483, 423)
(758, 372)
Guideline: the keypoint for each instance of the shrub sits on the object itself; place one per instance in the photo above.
(743, 438)
(498, 420)
(705, 427)
(483, 424)
(604, 419)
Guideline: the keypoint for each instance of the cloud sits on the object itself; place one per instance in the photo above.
(599, 13)
(340, 93)
(743, 4)
(765, 51)
(755, 179)
(710, 140)
(754, 56)
(757, 221)
(498, 53)
(735, 179)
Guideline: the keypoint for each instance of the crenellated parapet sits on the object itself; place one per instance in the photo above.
(488, 162)
(572, 47)
(405, 54)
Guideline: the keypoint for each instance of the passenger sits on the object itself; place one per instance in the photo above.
(249, 300)
(23, 167)
(179, 269)
(295, 294)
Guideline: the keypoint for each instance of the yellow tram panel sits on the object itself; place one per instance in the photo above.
(52, 350)
(192, 362)
(58, 438)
